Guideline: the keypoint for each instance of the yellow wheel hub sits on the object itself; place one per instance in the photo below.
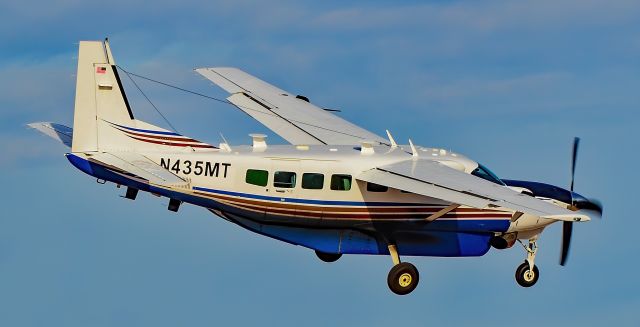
(529, 275)
(405, 280)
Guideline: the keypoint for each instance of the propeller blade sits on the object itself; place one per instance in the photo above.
(597, 206)
(592, 207)
(574, 155)
(567, 229)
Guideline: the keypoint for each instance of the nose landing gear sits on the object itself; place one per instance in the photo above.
(527, 273)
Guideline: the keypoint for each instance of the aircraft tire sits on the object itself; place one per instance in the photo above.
(525, 277)
(328, 257)
(403, 278)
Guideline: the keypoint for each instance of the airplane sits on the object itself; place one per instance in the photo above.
(337, 188)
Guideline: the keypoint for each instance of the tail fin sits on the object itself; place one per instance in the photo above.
(100, 98)
(103, 120)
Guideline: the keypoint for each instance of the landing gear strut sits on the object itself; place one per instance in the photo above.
(403, 276)
(527, 273)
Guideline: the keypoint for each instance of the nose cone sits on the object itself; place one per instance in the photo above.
(590, 207)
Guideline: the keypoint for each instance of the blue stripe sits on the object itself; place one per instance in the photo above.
(147, 131)
(306, 201)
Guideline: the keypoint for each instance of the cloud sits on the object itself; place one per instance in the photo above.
(483, 16)
(20, 149)
(482, 87)
(37, 88)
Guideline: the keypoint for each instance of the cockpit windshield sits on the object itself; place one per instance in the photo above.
(484, 173)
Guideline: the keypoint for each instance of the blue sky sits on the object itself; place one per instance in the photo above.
(508, 83)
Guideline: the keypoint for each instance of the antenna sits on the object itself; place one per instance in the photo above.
(223, 139)
(225, 145)
(391, 140)
(109, 55)
(414, 152)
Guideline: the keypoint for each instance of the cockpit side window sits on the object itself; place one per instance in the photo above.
(486, 174)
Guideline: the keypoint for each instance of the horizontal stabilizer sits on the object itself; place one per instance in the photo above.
(432, 179)
(59, 132)
(130, 163)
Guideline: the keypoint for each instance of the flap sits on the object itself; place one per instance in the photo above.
(429, 178)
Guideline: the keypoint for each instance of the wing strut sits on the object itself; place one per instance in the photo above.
(442, 212)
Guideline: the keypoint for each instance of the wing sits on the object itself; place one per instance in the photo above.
(139, 166)
(433, 179)
(294, 119)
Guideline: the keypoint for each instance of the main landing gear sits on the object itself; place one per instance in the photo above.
(527, 273)
(328, 257)
(403, 276)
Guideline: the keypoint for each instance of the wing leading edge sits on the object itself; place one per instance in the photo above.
(294, 119)
(429, 178)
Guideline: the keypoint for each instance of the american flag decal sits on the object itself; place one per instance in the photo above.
(101, 70)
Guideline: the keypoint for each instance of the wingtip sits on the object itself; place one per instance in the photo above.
(35, 125)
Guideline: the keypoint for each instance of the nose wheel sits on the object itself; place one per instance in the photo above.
(527, 273)
(525, 276)
(403, 277)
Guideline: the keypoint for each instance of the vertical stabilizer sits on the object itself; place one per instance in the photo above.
(100, 100)
(103, 120)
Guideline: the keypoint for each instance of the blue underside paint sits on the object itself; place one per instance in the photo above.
(440, 238)
(349, 241)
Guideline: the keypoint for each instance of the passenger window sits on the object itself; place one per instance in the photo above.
(341, 182)
(257, 177)
(373, 187)
(312, 181)
(284, 179)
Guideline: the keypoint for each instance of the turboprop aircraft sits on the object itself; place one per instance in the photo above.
(337, 188)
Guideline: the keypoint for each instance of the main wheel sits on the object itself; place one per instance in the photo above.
(328, 257)
(403, 278)
(527, 277)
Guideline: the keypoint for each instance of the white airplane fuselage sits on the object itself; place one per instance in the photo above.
(217, 180)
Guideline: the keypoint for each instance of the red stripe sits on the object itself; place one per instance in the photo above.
(203, 145)
(168, 138)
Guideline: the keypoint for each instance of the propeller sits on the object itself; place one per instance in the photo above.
(574, 155)
(567, 226)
